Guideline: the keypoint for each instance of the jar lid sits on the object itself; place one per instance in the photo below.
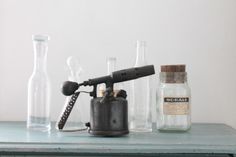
(173, 68)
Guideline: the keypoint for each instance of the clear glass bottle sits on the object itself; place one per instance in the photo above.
(39, 87)
(77, 115)
(140, 105)
(173, 99)
(111, 66)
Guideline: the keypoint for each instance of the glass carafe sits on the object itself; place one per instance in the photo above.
(39, 87)
(77, 115)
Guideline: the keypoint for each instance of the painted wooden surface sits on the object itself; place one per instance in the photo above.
(216, 139)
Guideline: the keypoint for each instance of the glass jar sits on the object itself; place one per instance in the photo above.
(174, 97)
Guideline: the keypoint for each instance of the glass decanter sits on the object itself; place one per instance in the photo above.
(39, 87)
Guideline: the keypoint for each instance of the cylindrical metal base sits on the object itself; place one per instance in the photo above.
(109, 118)
(109, 133)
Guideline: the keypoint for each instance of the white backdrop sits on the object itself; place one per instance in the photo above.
(199, 33)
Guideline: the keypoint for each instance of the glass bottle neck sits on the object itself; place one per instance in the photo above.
(111, 65)
(40, 56)
(141, 53)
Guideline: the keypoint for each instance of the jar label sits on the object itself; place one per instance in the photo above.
(176, 106)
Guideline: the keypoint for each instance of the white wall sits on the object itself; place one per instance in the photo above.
(199, 33)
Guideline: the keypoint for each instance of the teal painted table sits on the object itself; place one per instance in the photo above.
(201, 140)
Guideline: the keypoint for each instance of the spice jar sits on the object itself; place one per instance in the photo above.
(174, 97)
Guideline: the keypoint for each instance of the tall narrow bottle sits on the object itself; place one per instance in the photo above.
(111, 66)
(39, 87)
(140, 106)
